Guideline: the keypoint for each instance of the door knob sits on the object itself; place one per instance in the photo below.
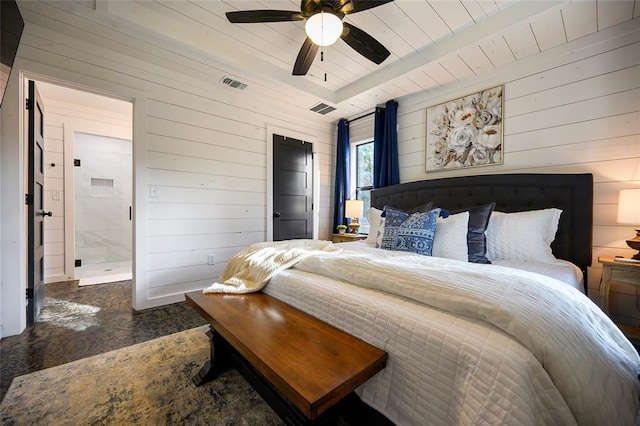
(276, 214)
(49, 213)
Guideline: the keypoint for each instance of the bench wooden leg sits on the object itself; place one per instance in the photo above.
(218, 360)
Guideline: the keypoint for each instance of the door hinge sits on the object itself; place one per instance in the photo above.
(28, 199)
(29, 293)
(28, 104)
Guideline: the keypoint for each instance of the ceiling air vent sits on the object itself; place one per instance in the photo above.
(233, 83)
(323, 108)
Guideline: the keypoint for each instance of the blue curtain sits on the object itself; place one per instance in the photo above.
(386, 170)
(342, 174)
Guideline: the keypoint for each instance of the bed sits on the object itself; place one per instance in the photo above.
(476, 342)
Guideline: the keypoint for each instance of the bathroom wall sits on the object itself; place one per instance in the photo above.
(103, 196)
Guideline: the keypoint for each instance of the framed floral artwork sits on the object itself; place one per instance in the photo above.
(465, 132)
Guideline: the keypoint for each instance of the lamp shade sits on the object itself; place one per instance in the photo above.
(323, 29)
(629, 206)
(354, 208)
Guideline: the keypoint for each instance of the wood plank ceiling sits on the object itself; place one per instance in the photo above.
(432, 42)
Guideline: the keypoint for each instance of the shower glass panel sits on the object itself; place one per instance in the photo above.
(103, 194)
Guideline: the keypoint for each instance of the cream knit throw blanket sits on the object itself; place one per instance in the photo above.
(251, 269)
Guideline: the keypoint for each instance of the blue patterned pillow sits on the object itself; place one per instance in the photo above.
(409, 232)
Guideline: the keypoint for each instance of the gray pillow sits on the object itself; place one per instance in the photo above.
(476, 239)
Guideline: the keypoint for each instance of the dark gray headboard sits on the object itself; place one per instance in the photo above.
(572, 193)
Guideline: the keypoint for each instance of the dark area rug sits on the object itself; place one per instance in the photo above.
(79, 322)
(147, 383)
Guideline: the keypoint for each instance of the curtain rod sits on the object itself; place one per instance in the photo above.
(362, 116)
(369, 113)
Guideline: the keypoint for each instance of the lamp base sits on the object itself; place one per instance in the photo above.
(354, 226)
(634, 243)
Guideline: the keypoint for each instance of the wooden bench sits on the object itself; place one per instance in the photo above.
(300, 365)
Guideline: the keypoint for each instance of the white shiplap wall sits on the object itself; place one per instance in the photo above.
(572, 109)
(200, 143)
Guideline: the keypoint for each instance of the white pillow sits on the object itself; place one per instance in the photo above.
(451, 237)
(523, 235)
(373, 217)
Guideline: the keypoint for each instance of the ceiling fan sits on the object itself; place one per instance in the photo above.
(322, 15)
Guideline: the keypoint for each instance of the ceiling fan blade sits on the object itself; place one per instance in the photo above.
(360, 5)
(364, 44)
(305, 57)
(253, 16)
(310, 7)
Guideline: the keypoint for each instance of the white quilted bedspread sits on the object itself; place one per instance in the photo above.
(471, 344)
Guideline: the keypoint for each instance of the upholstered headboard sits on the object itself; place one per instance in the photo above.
(572, 193)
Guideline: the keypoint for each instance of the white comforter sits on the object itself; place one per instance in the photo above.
(588, 360)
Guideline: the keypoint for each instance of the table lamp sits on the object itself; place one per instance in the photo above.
(354, 209)
(629, 214)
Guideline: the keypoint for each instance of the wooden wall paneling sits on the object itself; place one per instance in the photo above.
(189, 195)
(611, 13)
(203, 211)
(404, 87)
(122, 46)
(203, 150)
(439, 74)
(453, 13)
(396, 18)
(570, 93)
(548, 29)
(456, 66)
(579, 153)
(174, 129)
(180, 259)
(474, 9)
(160, 160)
(571, 113)
(476, 59)
(430, 22)
(580, 19)
(606, 192)
(497, 51)
(190, 226)
(168, 243)
(605, 58)
(604, 106)
(601, 128)
(521, 41)
(420, 78)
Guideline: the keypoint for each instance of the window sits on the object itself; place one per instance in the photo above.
(363, 171)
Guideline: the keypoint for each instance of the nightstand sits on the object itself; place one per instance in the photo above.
(617, 272)
(347, 238)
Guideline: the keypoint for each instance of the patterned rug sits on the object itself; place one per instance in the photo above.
(144, 384)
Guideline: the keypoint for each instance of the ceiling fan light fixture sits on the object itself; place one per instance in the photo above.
(324, 29)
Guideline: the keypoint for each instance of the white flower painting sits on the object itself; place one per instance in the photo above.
(465, 132)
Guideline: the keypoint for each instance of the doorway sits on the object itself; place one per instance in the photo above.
(100, 129)
(103, 202)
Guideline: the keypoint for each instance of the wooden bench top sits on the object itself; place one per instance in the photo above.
(313, 364)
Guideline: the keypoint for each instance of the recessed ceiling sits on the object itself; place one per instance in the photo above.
(432, 42)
